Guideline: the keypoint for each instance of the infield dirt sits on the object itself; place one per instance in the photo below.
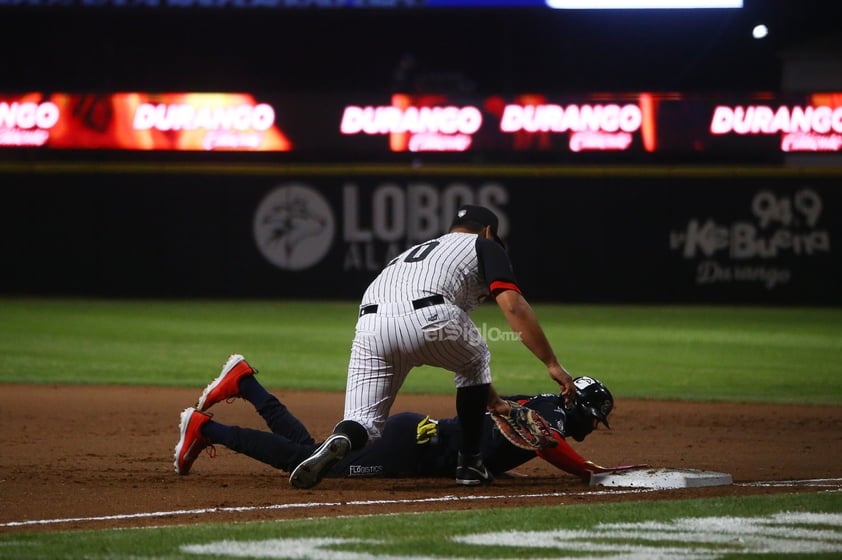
(90, 452)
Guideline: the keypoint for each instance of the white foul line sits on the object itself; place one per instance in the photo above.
(273, 507)
(816, 482)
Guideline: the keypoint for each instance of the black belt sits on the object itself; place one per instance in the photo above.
(416, 304)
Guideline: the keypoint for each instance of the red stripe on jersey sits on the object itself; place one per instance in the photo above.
(500, 286)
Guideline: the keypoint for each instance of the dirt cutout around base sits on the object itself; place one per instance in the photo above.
(88, 457)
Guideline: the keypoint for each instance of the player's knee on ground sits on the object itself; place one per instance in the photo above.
(354, 431)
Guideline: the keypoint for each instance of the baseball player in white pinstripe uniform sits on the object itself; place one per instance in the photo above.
(416, 312)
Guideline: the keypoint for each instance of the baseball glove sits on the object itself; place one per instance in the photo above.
(524, 428)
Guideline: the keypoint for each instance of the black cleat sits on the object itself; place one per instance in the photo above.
(471, 471)
(312, 469)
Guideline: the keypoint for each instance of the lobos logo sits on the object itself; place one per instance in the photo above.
(293, 227)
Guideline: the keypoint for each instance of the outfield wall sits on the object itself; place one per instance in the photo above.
(576, 234)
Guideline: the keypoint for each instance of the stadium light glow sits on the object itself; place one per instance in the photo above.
(641, 4)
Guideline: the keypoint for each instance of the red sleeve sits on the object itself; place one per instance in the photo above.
(564, 457)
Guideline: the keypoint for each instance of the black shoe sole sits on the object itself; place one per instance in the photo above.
(476, 480)
(312, 469)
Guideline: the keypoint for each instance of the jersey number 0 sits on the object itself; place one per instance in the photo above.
(417, 253)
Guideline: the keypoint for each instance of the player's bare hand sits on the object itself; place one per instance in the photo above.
(568, 389)
(499, 406)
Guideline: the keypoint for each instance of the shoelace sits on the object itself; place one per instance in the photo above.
(209, 448)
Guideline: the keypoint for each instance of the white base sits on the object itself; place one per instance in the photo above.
(661, 478)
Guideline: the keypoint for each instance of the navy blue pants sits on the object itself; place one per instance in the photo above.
(395, 454)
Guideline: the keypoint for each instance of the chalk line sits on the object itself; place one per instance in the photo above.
(814, 482)
(278, 507)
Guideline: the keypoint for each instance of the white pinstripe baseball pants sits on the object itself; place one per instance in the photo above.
(395, 339)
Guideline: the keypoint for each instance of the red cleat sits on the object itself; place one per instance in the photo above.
(227, 385)
(192, 442)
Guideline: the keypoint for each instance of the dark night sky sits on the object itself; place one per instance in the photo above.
(86, 49)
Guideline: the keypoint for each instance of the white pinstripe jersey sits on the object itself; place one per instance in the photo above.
(462, 267)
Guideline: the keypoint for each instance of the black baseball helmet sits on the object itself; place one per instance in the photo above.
(593, 399)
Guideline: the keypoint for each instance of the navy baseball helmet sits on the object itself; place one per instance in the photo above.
(593, 399)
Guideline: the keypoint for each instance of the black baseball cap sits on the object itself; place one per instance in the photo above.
(471, 214)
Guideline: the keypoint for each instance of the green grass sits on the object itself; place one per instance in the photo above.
(549, 531)
(785, 355)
